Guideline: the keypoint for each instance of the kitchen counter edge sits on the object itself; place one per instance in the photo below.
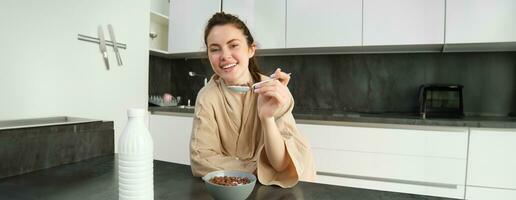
(380, 121)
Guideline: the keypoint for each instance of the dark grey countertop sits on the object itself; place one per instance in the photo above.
(383, 118)
(97, 179)
(170, 109)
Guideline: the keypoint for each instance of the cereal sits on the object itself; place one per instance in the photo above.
(229, 180)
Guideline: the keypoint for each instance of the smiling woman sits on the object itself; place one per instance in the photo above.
(254, 131)
(231, 50)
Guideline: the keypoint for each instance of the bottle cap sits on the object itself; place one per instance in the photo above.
(135, 112)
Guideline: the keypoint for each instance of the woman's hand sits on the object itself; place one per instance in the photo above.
(283, 77)
(273, 95)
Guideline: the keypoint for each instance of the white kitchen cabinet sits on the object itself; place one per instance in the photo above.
(429, 161)
(265, 19)
(171, 136)
(491, 164)
(324, 23)
(480, 21)
(186, 24)
(403, 22)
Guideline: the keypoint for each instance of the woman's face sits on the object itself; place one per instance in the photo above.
(229, 54)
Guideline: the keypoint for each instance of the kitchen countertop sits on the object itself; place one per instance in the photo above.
(97, 179)
(328, 118)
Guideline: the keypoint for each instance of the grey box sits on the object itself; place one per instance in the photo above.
(29, 148)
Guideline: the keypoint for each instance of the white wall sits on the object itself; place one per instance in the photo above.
(46, 71)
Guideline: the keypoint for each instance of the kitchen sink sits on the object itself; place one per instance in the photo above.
(185, 107)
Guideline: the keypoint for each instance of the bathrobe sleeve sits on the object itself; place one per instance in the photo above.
(301, 166)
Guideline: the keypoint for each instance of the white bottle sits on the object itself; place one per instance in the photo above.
(135, 159)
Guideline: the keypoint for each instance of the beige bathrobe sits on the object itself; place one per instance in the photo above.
(227, 135)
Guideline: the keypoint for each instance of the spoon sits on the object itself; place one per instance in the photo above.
(245, 88)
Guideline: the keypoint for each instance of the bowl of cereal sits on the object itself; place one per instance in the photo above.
(229, 184)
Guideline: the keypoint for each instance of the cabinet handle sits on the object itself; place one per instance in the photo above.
(390, 180)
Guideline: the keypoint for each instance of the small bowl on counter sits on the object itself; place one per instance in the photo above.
(229, 184)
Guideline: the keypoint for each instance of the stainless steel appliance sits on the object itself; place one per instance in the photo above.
(441, 101)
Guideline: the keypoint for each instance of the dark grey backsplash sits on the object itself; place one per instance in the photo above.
(373, 83)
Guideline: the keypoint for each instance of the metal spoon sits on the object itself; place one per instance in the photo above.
(245, 88)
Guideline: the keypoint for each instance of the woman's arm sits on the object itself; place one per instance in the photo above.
(274, 96)
(275, 145)
(288, 156)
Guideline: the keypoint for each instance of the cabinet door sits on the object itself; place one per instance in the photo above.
(324, 23)
(265, 19)
(171, 136)
(480, 21)
(492, 159)
(403, 22)
(186, 24)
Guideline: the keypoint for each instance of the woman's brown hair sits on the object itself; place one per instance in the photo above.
(221, 18)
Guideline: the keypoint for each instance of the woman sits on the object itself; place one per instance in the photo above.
(253, 131)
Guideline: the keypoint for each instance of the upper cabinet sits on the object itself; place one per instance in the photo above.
(349, 26)
(324, 23)
(403, 22)
(264, 18)
(480, 21)
(186, 24)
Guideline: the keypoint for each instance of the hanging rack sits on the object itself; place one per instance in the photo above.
(97, 41)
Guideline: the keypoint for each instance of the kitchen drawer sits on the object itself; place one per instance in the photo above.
(483, 193)
(411, 159)
(436, 142)
(492, 158)
(404, 187)
(419, 170)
